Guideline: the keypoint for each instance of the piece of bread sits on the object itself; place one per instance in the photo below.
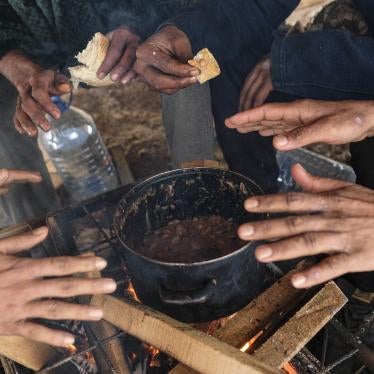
(207, 65)
(91, 59)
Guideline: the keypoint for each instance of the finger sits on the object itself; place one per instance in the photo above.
(271, 132)
(262, 94)
(125, 64)
(249, 97)
(163, 82)
(165, 63)
(58, 310)
(25, 122)
(289, 226)
(62, 85)
(69, 287)
(61, 266)
(308, 244)
(311, 183)
(269, 112)
(40, 91)
(18, 126)
(117, 45)
(128, 77)
(43, 334)
(247, 85)
(329, 268)
(306, 135)
(23, 242)
(35, 112)
(9, 176)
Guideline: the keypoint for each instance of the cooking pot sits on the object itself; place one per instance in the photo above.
(193, 292)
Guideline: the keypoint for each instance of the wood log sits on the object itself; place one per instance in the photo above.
(194, 348)
(202, 164)
(302, 327)
(26, 352)
(123, 169)
(113, 350)
(248, 322)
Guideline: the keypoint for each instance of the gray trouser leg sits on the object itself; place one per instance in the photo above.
(22, 202)
(189, 124)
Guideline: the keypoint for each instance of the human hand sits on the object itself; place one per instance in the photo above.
(31, 288)
(121, 56)
(257, 86)
(8, 177)
(307, 121)
(35, 86)
(162, 61)
(333, 217)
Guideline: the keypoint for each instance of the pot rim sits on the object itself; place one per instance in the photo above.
(151, 179)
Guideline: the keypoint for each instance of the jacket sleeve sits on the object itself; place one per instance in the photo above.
(227, 27)
(329, 64)
(13, 33)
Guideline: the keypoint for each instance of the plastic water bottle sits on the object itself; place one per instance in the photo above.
(78, 153)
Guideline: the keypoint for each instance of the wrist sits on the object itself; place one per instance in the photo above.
(17, 67)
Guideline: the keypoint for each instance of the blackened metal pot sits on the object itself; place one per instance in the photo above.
(197, 292)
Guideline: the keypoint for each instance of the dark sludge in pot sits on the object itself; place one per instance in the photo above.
(182, 285)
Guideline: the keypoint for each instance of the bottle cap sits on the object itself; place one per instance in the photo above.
(61, 104)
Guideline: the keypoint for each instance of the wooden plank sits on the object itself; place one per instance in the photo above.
(123, 169)
(196, 349)
(302, 327)
(249, 321)
(114, 350)
(203, 164)
(26, 352)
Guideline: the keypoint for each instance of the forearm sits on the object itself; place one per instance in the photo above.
(15, 66)
(328, 65)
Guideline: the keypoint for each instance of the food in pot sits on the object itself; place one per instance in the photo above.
(192, 240)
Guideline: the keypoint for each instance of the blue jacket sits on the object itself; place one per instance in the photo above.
(329, 64)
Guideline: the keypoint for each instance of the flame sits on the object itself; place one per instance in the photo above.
(130, 290)
(249, 344)
(154, 353)
(288, 368)
(71, 349)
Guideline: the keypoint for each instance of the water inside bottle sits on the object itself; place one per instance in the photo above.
(79, 155)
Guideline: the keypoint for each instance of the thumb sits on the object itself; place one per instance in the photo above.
(62, 84)
(311, 183)
(302, 136)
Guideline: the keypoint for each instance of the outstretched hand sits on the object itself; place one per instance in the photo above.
(305, 122)
(34, 288)
(332, 217)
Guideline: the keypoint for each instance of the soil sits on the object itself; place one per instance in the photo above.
(131, 117)
(192, 240)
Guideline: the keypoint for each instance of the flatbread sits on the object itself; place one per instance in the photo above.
(207, 65)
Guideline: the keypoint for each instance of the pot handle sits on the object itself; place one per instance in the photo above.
(199, 296)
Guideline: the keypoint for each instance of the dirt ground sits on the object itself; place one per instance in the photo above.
(131, 117)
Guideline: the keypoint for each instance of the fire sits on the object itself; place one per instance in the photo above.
(154, 353)
(249, 344)
(71, 349)
(130, 290)
(288, 368)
